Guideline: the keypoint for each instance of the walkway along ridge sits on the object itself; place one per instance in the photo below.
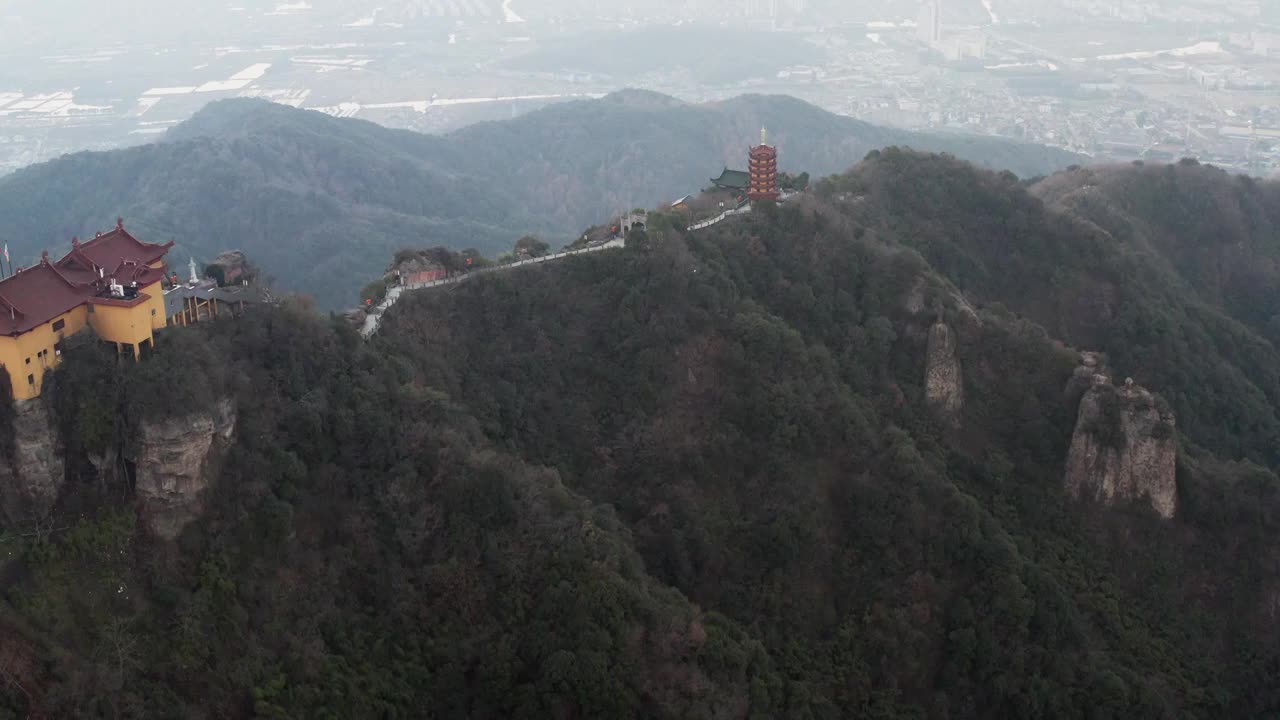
(374, 320)
(740, 210)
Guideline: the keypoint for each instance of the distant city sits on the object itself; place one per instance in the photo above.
(1117, 81)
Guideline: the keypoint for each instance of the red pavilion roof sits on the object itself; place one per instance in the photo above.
(37, 295)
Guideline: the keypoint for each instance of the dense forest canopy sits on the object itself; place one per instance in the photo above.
(697, 477)
(320, 203)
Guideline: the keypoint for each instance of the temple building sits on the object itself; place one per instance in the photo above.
(760, 180)
(763, 164)
(110, 285)
(733, 180)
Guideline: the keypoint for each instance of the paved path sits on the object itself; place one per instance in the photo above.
(740, 210)
(374, 319)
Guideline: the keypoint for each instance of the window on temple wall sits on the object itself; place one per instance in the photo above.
(59, 325)
(31, 379)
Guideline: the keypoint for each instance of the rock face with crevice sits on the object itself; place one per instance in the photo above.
(1125, 444)
(943, 382)
(31, 480)
(172, 460)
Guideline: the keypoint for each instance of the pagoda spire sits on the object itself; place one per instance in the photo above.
(764, 136)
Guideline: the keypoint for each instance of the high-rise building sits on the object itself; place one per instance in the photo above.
(929, 26)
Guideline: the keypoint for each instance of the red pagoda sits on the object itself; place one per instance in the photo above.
(763, 171)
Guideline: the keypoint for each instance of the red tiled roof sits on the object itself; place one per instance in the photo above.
(33, 297)
(39, 294)
(109, 249)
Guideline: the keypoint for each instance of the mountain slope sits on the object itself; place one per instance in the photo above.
(364, 551)
(1119, 292)
(315, 203)
(1219, 233)
(751, 400)
(702, 476)
(651, 150)
(321, 202)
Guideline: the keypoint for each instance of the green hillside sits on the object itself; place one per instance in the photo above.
(698, 477)
(321, 203)
(1144, 287)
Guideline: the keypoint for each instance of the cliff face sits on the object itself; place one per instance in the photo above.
(31, 480)
(943, 384)
(172, 466)
(1124, 446)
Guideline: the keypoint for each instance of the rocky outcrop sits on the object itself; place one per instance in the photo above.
(173, 466)
(1124, 446)
(32, 478)
(943, 383)
(232, 268)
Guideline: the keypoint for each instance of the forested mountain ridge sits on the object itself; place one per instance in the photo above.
(1220, 233)
(1097, 278)
(654, 149)
(321, 202)
(318, 203)
(697, 477)
(727, 444)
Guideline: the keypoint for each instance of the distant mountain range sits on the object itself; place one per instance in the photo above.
(321, 203)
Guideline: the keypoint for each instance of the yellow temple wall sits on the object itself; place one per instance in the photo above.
(131, 325)
(30, 355)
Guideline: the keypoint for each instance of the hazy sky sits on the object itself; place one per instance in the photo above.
(77, 23)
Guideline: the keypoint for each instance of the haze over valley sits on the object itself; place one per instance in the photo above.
(1124, 80)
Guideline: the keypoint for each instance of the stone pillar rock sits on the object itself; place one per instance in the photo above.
(1124, 447)
(32, 479)
(172, 464)
(943, 381)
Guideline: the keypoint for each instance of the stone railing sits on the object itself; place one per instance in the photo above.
(741, 210)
